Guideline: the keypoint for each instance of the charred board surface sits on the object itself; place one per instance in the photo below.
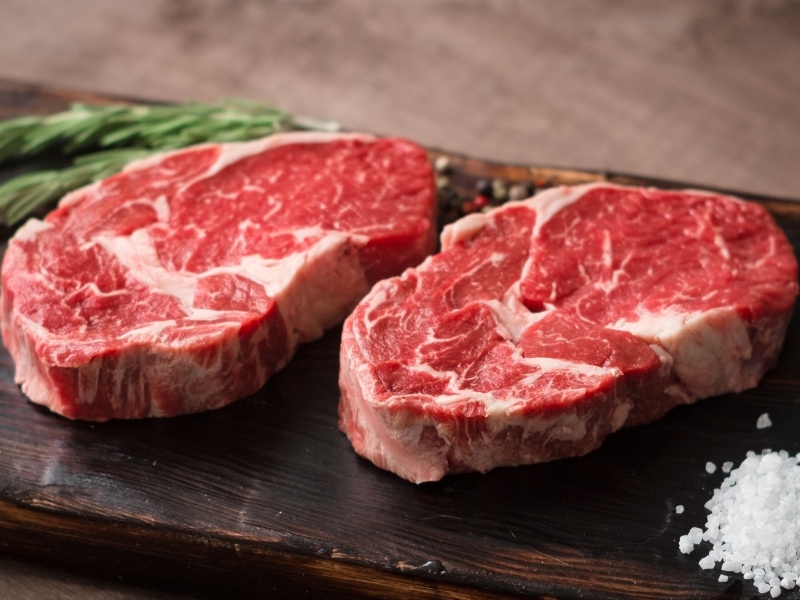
(267, 496)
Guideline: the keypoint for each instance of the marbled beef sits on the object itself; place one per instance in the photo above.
(545, 325)
(184, 282)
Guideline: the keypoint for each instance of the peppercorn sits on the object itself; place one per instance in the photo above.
(499, 190)
(441, 164)
(522, 190)
(480, 201)
(484, 188)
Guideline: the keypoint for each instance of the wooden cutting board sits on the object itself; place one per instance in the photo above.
(267, 498)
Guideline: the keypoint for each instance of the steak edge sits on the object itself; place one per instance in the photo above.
(545, 325)
(184, 282)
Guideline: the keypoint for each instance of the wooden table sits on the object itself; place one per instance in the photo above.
(706, 94)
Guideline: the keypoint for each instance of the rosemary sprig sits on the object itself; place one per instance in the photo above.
(24, 193)
(105, 138)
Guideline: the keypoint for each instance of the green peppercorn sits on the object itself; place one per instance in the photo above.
(522, 190)
(499, 190)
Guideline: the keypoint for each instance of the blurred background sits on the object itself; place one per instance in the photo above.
(705, 92)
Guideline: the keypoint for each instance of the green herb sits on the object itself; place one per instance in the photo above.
(106, 138)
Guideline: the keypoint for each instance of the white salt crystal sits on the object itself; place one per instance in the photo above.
(763, 588)
(695, 535)
(710, 467)
(723, 578)
(685, 545)
(775, 591)
(679, 509)
(763, 421)
(727, 466)
(706, 563)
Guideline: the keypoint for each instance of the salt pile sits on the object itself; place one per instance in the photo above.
(754, 525)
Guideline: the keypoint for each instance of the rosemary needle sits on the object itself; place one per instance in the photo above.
(103, 139)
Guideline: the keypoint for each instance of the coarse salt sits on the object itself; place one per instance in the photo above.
(754, 522)
(763, 421)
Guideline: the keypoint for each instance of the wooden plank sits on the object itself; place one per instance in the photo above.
(266, 496)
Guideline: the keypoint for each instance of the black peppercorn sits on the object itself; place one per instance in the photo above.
(484, 188)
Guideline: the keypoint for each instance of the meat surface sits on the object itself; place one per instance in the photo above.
(184, 282)
(545, 325)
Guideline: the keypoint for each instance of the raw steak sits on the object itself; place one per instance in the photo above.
(184, 282)
(545, 325)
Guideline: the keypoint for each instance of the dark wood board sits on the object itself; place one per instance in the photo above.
(266, 498)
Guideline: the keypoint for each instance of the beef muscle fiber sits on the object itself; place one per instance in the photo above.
(547, 324)
(184, 282)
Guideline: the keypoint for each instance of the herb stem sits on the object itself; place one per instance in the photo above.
(103, 139)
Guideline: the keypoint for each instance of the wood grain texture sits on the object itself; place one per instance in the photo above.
(267, 497)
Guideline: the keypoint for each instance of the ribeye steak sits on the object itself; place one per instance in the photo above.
(184, 282)
(545, 325)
